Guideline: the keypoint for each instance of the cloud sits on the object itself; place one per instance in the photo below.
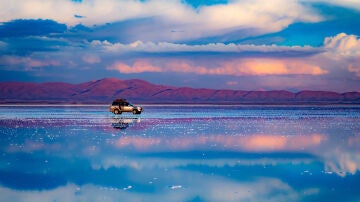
(338, 52)
(138, 67)
(259, 16)
(191, 185)
(343, 44)
(236, 67)
(32, 45)
(166, 47)
(259, 66)
(340, 159)
(26, 62)
(342, 50)
(91, 59)
(30, 27)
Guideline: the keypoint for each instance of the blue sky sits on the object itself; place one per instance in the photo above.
(246, 45)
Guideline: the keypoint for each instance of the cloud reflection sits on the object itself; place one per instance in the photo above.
(341, 159)
(250, 143)
(192, 188)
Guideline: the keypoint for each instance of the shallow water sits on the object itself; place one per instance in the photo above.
(180, 153)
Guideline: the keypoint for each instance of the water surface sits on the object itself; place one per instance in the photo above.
(180, 153)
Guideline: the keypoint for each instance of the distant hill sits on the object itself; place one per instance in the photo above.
(103, 91)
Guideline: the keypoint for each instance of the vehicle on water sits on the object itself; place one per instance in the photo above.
(119, 106)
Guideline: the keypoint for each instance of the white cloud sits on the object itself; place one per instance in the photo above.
(343, 44)
(260, 16)
(342, 50)
(165, 47)
(266, 15)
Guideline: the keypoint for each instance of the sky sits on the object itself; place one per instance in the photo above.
(222, 44)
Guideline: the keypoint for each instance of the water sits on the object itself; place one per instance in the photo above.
(180, 153)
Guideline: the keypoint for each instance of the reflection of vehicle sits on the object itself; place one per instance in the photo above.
(123, 123)
(121, 105)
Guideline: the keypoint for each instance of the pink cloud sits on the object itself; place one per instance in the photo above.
(138, 67)
(259, 66)
(269, 67)
(254, 66)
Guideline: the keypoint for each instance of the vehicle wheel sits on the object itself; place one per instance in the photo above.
(134, 111)
(116, 111)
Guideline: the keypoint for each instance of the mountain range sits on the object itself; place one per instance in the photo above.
(103, 91)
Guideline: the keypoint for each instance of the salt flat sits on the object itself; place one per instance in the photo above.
(180, 153)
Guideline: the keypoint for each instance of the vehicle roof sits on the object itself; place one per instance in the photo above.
(120, 100)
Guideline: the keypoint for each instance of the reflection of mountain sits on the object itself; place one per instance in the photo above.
(101, 91)
(123, 123)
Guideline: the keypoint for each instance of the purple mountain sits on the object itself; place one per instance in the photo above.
(139, 91)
